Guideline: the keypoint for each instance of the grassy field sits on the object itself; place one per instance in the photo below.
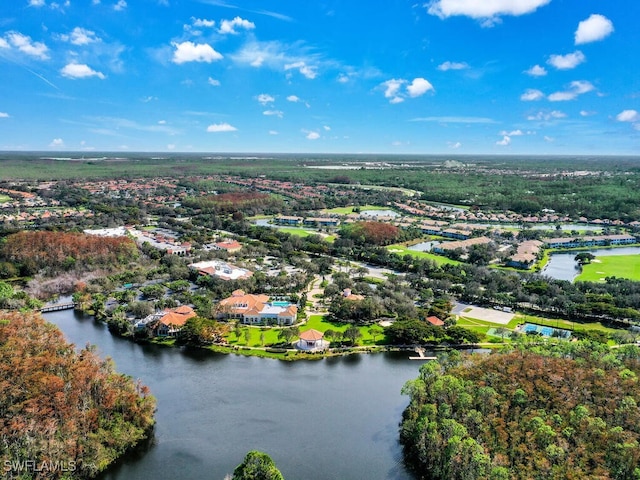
(401, 250)
(348, 210)
(300, 232)
(4, 198)
(316, 322)
(621, 266)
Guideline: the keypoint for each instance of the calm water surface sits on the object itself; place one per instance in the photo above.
(325, 419)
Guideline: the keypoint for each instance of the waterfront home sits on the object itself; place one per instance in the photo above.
(257, 309)
(311, 341)
(288, 220)
(526, 254)
(222, 270)
(166, 323)
(589, 241)
(462, 244)
(321, 222)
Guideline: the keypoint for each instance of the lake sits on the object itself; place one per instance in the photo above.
(335, 418)
(562, 265)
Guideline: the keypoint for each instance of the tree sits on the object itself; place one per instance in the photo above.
(257, 466)
(287, 334)
(584, 258)
(352, 334)
(375, 331)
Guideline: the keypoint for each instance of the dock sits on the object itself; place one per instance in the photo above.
(421, 355)
(57, 306)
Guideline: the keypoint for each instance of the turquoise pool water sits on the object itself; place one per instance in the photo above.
(280, 304)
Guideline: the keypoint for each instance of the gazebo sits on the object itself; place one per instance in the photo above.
(311, 341)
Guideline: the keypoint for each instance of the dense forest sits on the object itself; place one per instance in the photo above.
(55, 252)
(63, 414)
(568, 411)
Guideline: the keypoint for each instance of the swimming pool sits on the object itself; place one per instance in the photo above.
(280, 303)
(545, 331)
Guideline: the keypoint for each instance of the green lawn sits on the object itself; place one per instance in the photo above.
(348, 210)
(401, 250)
(4, 198)
(622, 266)
(316, 322)
(300, 232)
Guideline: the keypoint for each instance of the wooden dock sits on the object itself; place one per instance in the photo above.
(421, 355)
(57, 306)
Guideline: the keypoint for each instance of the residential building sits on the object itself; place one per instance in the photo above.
(220, 269)
(257, 309)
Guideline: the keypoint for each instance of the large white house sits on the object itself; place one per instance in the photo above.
(258, 309)
(220, 269)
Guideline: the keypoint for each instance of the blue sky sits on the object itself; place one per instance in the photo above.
(389, 76)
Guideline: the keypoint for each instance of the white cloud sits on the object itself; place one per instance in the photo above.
(454, 145)
(27, 46)
(513, 133)
(418, 87)
(586, 113)
(306, 70)
(273, 113)
(80, 36)
(162, 122)
(265, 98)
(548, 139)
(452, 66)
(213, 82)
(343, 78)
(546, 116)
(202, 22)
(313, 136)
(57, 142)
(293, 98)
(536, 71)
(121, 5)
(221, 127)
(483, 9)
(4, 115)
(229, 26)
(192, 52)
(628, 116)
(531, 95)
(327, 128)
(36, 3)
(594, 28)
(506, 140)
(80, 70)
(576, 88)
(171, 146)
(273, 132)
(4, 43)
(568, 61)
(392, 87)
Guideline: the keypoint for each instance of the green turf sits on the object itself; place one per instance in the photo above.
(402, 251)
(621, 266)
(4, 198)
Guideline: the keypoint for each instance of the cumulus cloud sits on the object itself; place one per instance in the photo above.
(594, 28)
(121, 5)
(313, 135)
(512, 133)
(229, 26)
(483, 9)
(568, 61)
(273, 113)
(273, 132)
(392, 87)
(452, 66)
(202, 22)
(531, 95)
(343, 78)
(221, 127)
(80, 70)
(536, 71)
(628, 116)
(586, 113)
(306, 70)
(293, 98)
(4, 115)
(213, 82)
(327, 128)
(454, 145)
(27, 46)
(80, 36)
(506, 140)
(265, 98)
(57, 142)
(418, 87)
(576, 88)
(194, 52)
